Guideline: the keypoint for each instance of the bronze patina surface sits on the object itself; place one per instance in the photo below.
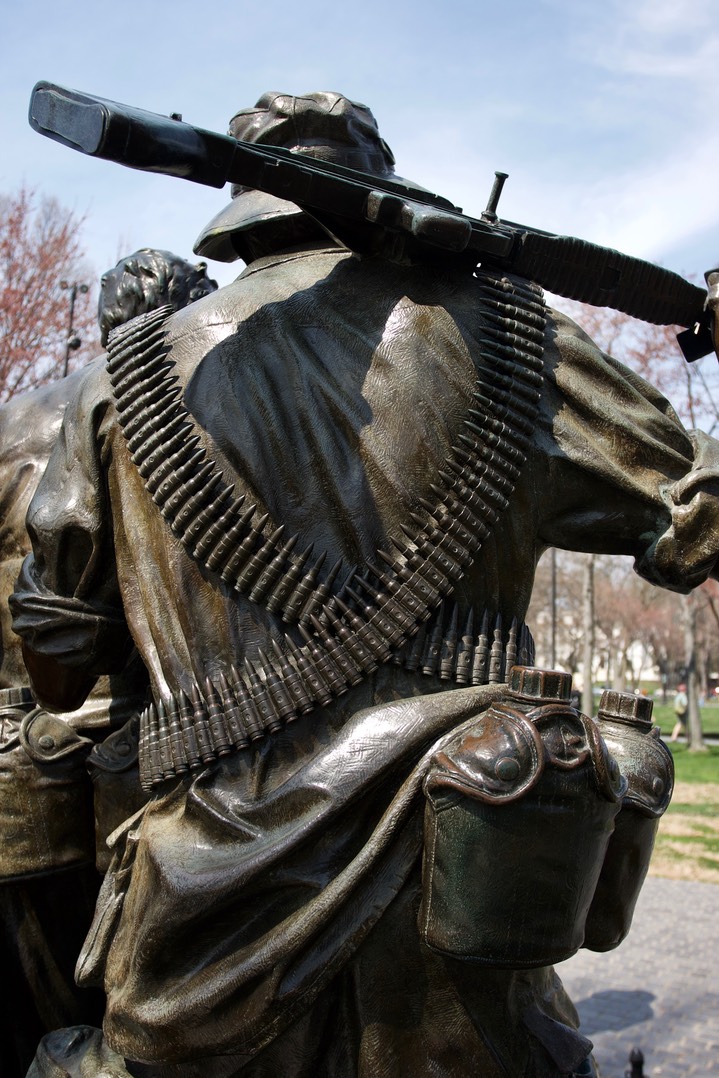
(314, 502)
(52, 838)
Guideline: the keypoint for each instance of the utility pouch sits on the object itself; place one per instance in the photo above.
(45, 794)
(648, 767)
(518, 817)
(114, 769)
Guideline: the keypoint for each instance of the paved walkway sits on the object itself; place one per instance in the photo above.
(659, 990)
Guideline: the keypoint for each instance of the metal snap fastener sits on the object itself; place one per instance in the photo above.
(506, 769)
(122, 748)
(46, 742)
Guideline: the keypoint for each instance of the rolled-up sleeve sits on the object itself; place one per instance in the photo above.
(90, 636)
(687, 551)
(66, 604)
(622, 475)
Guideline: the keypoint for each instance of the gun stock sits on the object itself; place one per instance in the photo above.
(130, 136)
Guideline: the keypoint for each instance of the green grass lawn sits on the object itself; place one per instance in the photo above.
(663, 716)
(687, 845)
(696, 766)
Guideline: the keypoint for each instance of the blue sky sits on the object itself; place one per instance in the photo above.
(603, 113)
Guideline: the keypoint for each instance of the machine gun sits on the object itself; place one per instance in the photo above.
(374, 215)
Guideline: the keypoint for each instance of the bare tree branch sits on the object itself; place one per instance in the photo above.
(40, 246)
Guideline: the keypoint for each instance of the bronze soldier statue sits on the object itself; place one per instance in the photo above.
(314, 503)
(48, 878)
(30, 423)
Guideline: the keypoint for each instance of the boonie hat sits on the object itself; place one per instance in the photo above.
(323, 125)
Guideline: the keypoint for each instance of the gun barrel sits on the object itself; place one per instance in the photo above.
(598, 275)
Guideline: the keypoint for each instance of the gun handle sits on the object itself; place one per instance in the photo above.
(698, 341)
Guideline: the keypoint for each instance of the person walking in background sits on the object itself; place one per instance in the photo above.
(681, 708)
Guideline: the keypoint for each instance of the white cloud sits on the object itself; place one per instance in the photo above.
(657, 38)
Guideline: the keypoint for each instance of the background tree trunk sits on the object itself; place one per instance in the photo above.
(553, 660)
(588, 635)
(695, 737)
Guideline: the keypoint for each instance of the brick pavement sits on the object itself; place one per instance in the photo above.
(659, 990)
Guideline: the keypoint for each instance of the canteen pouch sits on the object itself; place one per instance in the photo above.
(648, 767)
(519, 813)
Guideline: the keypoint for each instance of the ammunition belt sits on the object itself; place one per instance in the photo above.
(347, 626)
(182, 733)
